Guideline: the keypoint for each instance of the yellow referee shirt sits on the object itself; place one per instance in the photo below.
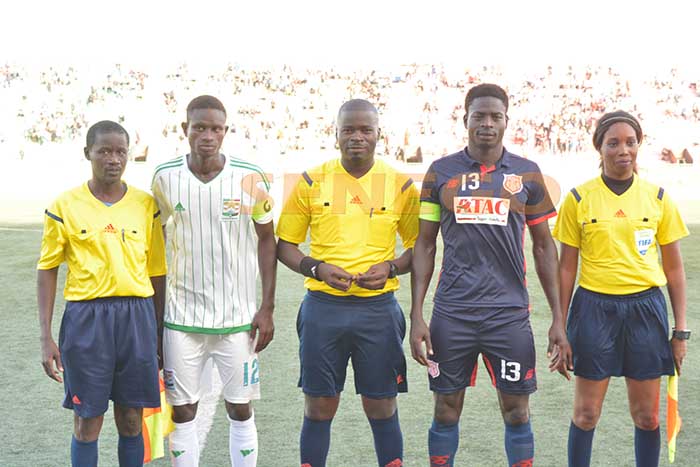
(353, 221)
(111, 251)
(617, 235)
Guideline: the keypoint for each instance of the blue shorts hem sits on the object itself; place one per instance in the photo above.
(449, 390)
(517, 392)
(600, 377)
(382, 395)
(320, 393)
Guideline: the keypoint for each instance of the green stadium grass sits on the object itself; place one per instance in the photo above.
(37, 430)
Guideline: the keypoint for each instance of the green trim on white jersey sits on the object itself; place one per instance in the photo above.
(233, 330)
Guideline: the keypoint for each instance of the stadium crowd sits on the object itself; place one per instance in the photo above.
(286, 109)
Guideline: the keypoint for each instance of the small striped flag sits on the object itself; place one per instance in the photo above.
(157, 424)
(673, 418)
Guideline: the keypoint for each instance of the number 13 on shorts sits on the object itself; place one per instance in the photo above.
(510, 371)
(250, 372)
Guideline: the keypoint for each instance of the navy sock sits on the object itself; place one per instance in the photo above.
(314, 442)
(388, 440)
(520, 445)
(130, 451)
(580, 443)
(647, 446)
(443, 441)
(83, 454)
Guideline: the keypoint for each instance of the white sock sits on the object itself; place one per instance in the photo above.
(243, 442)
(184, 445)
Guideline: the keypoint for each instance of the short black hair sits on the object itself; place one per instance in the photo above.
(357, 104)
(611, 118)
(205, 102)
(485, 90)
(105, 126)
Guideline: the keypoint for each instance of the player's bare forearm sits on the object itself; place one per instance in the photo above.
(289, 254)
(544, 251)
(568, 266)
(267, 262)
(158, 283)
(674, 270)
(422, 265)
(46, 298)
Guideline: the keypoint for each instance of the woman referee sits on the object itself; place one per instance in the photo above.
(617, 323)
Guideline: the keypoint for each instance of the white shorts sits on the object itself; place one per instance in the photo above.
(184, 357)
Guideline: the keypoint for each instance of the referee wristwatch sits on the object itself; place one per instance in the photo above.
(681, 335)
(393, 270)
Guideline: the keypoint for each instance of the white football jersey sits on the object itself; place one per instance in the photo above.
(213, 246)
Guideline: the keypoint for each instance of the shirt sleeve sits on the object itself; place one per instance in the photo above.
(539, 206)
(262, 201)
(410, 208)
(430, 188)
(158, 194)
(671, 227)
(296, 213)
(567, 229)
(156, 249)
(54, 239)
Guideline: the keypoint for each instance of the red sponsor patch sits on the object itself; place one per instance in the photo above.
(530, 373)
(433, 369)
(513, 183)
(452, 183)
(399, 379)
(76, 400)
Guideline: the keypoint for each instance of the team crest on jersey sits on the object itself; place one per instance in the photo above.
(513, 183)
(643, 238)
(231, 208)
(481, 210)
(433, 369)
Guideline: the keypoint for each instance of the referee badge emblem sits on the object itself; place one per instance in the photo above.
(513, 183)
(231, 209)
(643, 238)
(433, 369)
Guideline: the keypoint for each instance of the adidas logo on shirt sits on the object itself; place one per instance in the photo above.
(620, 213)
(356, 200)
(179, 207)
(110, 229)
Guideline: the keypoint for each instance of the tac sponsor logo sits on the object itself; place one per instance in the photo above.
(433, 369)
(231, 208)
(512, 183)
(481, 210)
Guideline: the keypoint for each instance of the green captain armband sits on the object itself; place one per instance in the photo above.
(429, 211)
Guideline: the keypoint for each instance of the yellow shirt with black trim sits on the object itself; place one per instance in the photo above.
(617, 235)
(111, 251)
(353, 221)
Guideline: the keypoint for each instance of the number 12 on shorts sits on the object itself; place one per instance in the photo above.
(510, 371)
(250, 373)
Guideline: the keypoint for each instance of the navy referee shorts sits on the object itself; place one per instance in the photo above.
(108, 349)
(620, 335)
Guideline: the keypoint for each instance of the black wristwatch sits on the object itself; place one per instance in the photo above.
(683, 335)
(393, 270)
